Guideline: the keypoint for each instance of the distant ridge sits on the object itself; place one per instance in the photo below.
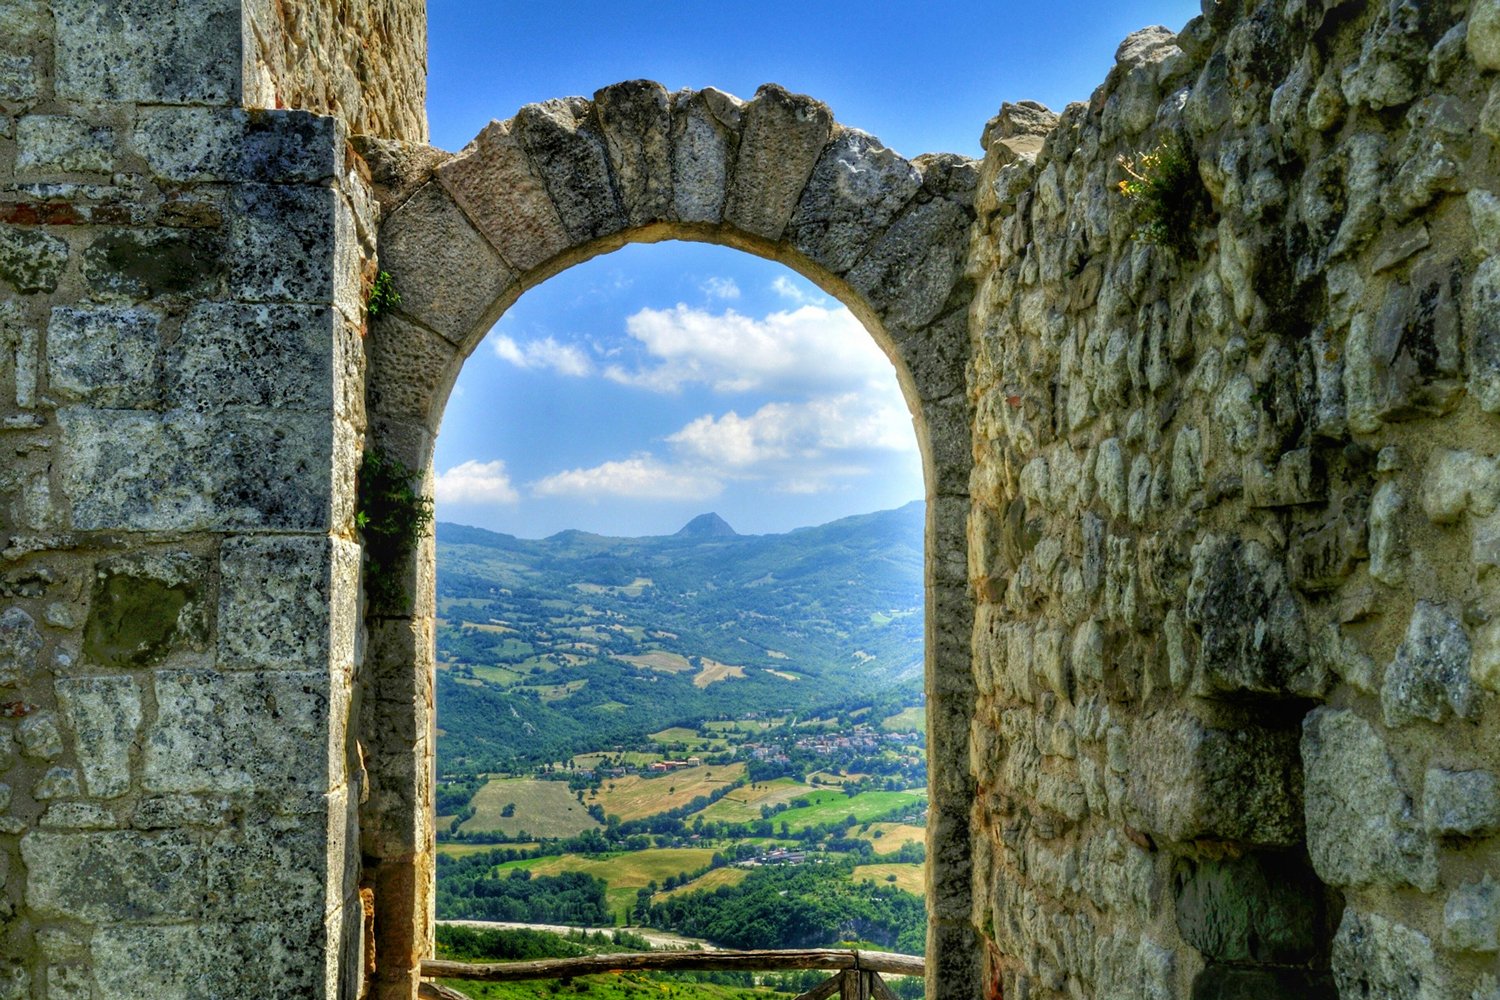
(707, 526)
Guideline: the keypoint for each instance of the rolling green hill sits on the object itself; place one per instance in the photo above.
(575, 642)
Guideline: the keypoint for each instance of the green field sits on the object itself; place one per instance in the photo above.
(830, 807)
(636, 797)
(743, 804)
(708, 882)
(625, 872)
(543, 808)
(911, 878)
(908, 720)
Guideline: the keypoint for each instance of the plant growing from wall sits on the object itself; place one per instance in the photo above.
(383, 295)
(1167, 195)
(391, 516)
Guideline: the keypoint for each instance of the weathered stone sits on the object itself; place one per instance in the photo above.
(140, 610)
(1260, 908)
(270, 226)
(276, 870)
(570, 158)
(1484, 35)
(39, 737)
(78, 815)
(170, 812)
(448, 276)
(1471, 917)
(103, 356)
(212, 959)
(1387, 540)
(854, 193)
(287, 602)
(1484, 334)
(229, 354)
(56, 783)
(231, 144)
(1361, 827)
(635, 120)
(1460, 803)
(139, 264)
(1485, 665)
(1393, 60)
(1429, 677)
(1254, 639)
(1460, 481)
(1189, 782)
(143, 50)
(104, 715)
(1377, 957)
(20, 645)
(1405, 361)
(266, 733)
(782, 137)
(31, 261)
(705, 140)
(410, 370)
(497, 187)
(910, 275)
(63, 144)
(121, 876)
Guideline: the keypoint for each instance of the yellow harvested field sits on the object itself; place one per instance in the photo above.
(543, 808)
(743, 804)
(892, 836)
(636, 797)
(661, 660)
(716, 879)
(714, 671)
(911, 878)
(782, 674)
(624, 873)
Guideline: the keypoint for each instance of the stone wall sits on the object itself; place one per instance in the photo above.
(1233, 539)
(181, 400)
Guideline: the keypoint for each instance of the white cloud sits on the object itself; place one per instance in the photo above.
(476, 482)
(800, 432)
(640, 477)
(721, 288)
(793, 292)
(565, 359)
(810, 347)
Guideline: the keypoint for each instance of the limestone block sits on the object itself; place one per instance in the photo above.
(140, 263)
(103, 355)
(1377, 957)
(1296, 478)
(267, 733)
(230, 144)
(1438, 141)
(1460, 803)
(910, 274)
(934, 358)
(287, 602)
(855, 191)
(1405, 361)
(63, 144)
(274, 870)
(39, 737)
(117, 876)
(705, 140)
(20, 645)
(1459, 481)
(494, 183)
(79, 815)
(56, 783)
(635, 120)
(1387, 540)
(449, 277)
(569, 156)
(1483, 40)
(272, 228)
(25, 27)
(1361, 827)
(229, 354)
(1393, 58)
(1253, 636)
(1259, 908)
(104, 715)
(169, 812)
(181, 470)
(411, 370)
(1429, 676)
(783, 135)
(1188, 782)
(210, 960)
(1484, 333)
(148, 50)
(31, 260)
(1471, 917)
(143, 608)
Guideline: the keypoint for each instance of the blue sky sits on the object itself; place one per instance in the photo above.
(637, 390)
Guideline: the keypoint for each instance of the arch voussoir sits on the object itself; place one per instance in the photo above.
(569, 155)
(705, 144)
(635, 120)
(856, 190)
(782, 138)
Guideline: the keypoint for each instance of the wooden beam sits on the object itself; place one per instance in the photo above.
(886, 961)
(437, 991)
(670, 961)
(824, 990)
(878, 988)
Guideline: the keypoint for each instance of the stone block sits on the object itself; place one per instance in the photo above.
(1460, 803)
(1458, 482)
(57, 783)
(169, 812)
(569, 156)
(1429, 676)
(116, 877)
(1237, 982)
(20, 644)
(781, 138)
(411, 370)
(910, 274)
(1295, 479)
(210, 961)
(496, 186)
(856, 190)
(281, 242)
(39, 736)
(276, 870)
(187, 144)
(104, 356)
(1253, 636)
(449, 277)
(1260, 908)
(288, 602)
(229, 354)
(1377, 957)
(63, 144)
(104, 715)
(30, 260)
(1361, 827)
(1484, 331)
(705, 141)
(1483, 39)
(1471, 917)
(152, 51)
(142, 608)
(268, 733)
(142, 263)
(1191, 782)
(635, 121)
(1405, 361)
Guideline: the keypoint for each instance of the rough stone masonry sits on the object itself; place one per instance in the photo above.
(1214, 520)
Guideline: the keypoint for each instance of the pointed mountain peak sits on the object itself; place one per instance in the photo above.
(707, 526)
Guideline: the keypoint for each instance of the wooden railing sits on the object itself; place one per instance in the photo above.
(857, 972)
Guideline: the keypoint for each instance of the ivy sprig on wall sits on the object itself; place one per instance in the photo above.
(383, 295)
(392, 517)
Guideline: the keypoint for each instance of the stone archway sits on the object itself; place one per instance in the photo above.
(464, 236)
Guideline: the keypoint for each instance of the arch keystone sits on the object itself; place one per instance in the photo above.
(784, 134)
(705, 142)
(635, 119)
